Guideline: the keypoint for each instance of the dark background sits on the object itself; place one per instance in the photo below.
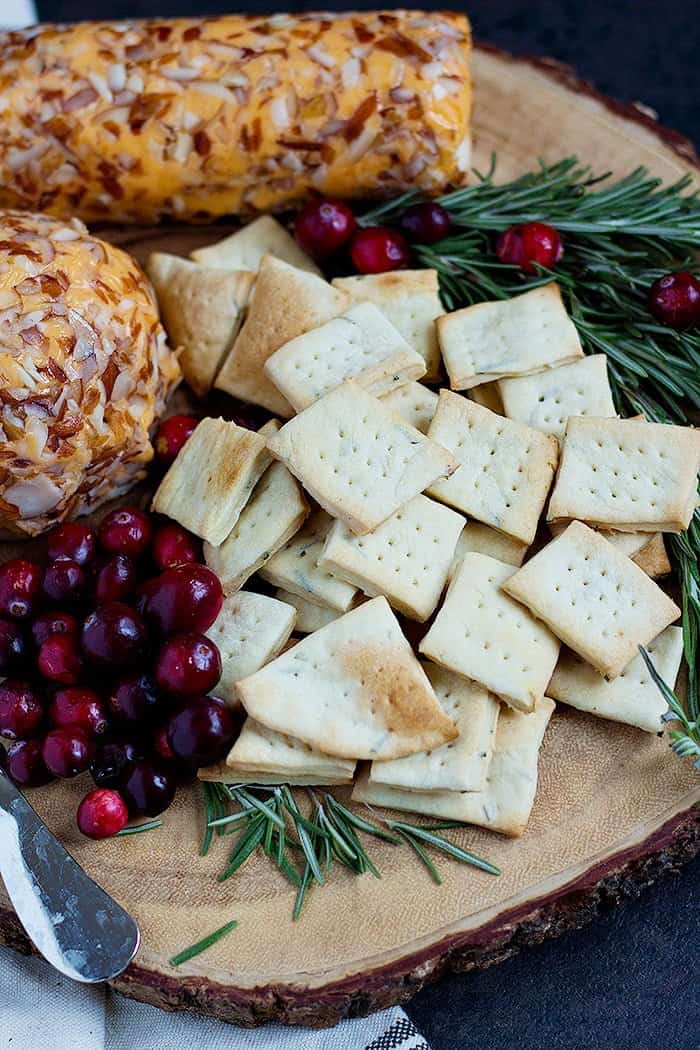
(630, 980)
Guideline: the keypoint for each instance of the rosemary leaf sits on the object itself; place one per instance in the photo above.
(244, 847)
(201, 946)
(445, 845)
(138, 828)
(414, 844)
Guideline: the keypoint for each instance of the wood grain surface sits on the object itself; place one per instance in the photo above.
(614, 807)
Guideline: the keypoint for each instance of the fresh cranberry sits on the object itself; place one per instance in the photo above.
(425, 223)
(126, 531)
(67, 751)
(171, 436)
(113, 758)
(59, 659)
(323, 226)
(20, 586)
(13, 647)
(74, 541)
(102, 813)
(148, 788)
(114, 636)
(188, 664)
(377, 249)
(161, 745)
(201, 731)
(135, 699)
(25, 764)
(81, 707)
(533, 243)
(21, 709)
(675, 299)
(64, 582)
(115, 580)
(185, 598)
(49, 623)
(173, 545)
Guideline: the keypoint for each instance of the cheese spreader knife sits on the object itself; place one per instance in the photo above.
(75, 925)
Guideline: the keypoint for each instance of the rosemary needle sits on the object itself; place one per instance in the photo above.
(148, 826)
(201, 946)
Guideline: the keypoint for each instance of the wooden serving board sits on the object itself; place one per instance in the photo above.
(614, 807)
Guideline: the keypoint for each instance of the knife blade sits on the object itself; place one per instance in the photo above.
(70, 920)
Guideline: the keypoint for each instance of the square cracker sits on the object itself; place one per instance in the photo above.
(360, 344)
(246, 248)
(506, 801)
(507, 468)
(476, 538)
(633, 697)
(411, 301)
(460, 765)
(354, 689)
(413, 402)
(406, 558)
(357, 459)
(310, 617)
(594, 598)
(510, 337)
(647, 549)
(274, 513)
(286, 302)
(261, 751)
(209, 483)
(627, 474)
(298, 568)
(484, 634)
(547, 399)
(202, 310)
(250, 630)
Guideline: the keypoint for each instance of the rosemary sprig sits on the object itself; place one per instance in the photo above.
(272, 819)
(149, 825)
(685, 742)
(201, 946)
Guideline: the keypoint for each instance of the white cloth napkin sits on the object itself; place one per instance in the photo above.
(41, 1010)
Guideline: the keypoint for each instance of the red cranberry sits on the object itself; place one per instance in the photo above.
(675, 299)
(67, 751)
(25, 764)
(116, 579)
(113, 759)
(161, 745)
(185, 598)
(323, 226)
(21, 709)
(201, 731)
(135, 699)
(59, 659)
(524, 246)
(102, 813)
(148, 788)
(425, 223)
(64, 582)
(20, 586)
(50, 623)
(126, 531)
(81, 707)
(13, 647)
(114, 636)
(377, 249)
(172, 435)
(173, 545)
(188, 664)
(74, 541)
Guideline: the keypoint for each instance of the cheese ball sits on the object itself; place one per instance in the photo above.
(85, 371)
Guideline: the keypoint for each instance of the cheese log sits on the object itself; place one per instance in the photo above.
(195, 118)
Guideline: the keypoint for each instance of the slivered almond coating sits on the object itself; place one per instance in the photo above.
(195, 118)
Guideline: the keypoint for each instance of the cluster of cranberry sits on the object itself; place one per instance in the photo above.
(107, 665)
(325, 227)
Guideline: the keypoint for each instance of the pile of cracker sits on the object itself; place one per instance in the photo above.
(511, 526)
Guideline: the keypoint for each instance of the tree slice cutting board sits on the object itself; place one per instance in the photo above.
(614, 807)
